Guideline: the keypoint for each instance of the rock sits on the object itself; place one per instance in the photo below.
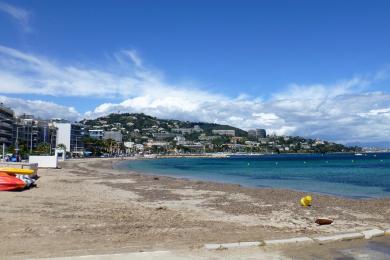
(161, 208)
(156, 178)
(323, 221)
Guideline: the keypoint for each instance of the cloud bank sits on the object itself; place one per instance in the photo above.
(40, 109)
(343, 111)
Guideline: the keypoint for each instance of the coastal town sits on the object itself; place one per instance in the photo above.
(138, 134)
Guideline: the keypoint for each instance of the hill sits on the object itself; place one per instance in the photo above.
(130, 122)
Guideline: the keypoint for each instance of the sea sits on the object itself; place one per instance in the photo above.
(346, 175)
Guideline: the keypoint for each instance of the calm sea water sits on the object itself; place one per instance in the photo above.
(346, 175)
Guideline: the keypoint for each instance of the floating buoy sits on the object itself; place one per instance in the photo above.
(306, 201)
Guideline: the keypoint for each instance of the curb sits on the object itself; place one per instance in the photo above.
(233, 245)
(293, 240)
(367, 234)
(339, 237)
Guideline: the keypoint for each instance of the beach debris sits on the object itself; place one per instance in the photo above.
(306, 201)
(156, 178)
(323, 221)
(161, 208)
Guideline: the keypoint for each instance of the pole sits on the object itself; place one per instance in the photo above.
(51, 141)
(17, 141)
(31, 140)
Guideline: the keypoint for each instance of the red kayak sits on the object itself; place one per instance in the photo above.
(6, 174)
(11, 183)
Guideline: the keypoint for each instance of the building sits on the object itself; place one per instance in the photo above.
(114, 135)
(6, 125)
(31, 132)
(163, 136)
(70, 135)
(195, 129)
(96, 133)
(255, 134)
(224, 132)
(261, 133)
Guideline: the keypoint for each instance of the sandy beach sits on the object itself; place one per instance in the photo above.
(88, 207)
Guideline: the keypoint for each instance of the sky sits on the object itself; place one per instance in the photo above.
(318, 69)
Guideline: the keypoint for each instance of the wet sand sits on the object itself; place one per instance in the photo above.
(87, 207)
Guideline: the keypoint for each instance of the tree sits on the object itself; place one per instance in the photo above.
(43, 148)
(62, 147)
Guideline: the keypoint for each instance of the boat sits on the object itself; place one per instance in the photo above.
(9, 183)
(26, 179)
(17, 171)
(358, 154)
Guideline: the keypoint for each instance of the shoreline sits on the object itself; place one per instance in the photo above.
(87, 206)
(120, 165)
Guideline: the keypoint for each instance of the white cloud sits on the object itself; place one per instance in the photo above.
(342, 111)
(133, 55)
(20, 15)
(40, 109)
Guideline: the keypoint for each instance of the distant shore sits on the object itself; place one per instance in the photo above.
(87, 206)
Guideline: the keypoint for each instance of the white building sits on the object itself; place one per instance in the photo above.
(224, 132)
(70, 135)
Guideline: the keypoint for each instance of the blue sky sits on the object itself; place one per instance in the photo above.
(263, 58)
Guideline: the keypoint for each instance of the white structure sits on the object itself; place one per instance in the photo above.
(44, 161)
(195, 129)
(224, 132)
(129, 144)
(70, 134)
(60, 154)
(63, 134)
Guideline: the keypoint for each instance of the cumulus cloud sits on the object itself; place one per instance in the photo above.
(343, 111)
(20, 15)
(40, 109)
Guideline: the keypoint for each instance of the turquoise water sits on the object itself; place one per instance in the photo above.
(346, 175)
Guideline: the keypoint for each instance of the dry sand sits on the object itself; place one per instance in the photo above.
(87, 207)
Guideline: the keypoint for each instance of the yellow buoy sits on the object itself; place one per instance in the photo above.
(306, 201)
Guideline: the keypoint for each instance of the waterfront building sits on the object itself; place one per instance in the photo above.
(256, 134)
(70, 135)
(261, 133)
(31, 132)
(96, 133)
(252, 134)
(114, 135)
(6, 125)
